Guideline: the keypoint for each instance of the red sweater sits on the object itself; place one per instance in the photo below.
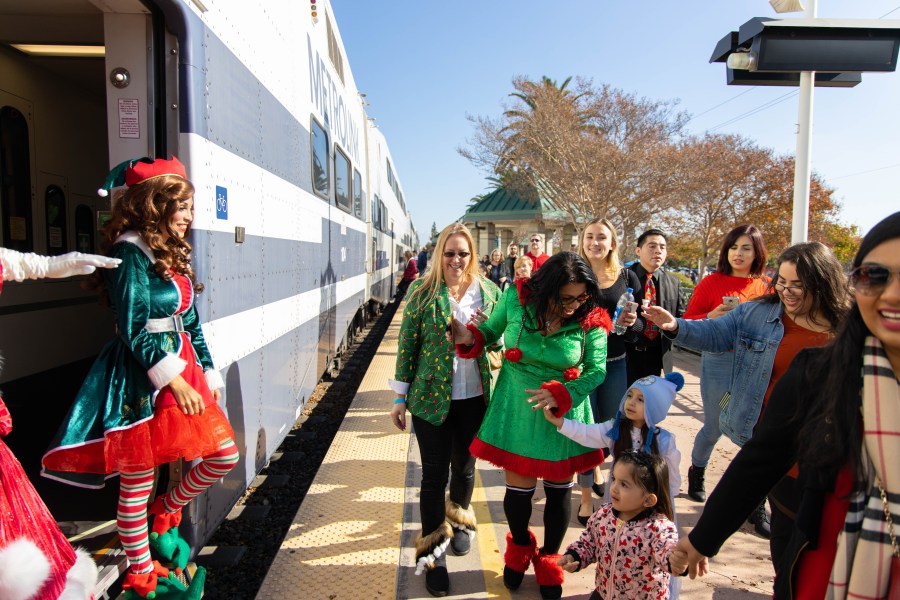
(708, 293)
(537, 261)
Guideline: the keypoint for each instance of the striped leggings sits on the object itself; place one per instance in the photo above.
(134, 492)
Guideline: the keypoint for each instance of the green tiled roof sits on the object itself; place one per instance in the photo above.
(506, 205)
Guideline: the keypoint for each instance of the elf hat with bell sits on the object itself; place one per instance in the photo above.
(138, 170)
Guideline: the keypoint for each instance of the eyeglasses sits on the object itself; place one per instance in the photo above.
(535, 239)
(870, 280)
(567, 300)
(451, 254)
(790, 289)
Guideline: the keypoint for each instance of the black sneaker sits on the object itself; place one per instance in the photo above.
(437, 579)
(461, 542)
(696, 483)
(761, 520)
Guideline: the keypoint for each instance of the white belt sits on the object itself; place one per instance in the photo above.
(174, 323)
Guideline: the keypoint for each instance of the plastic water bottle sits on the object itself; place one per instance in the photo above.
(623, 300)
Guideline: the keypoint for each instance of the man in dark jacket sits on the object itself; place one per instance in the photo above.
(422, 261)
(646, 351)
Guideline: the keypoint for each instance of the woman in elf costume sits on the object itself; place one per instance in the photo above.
(555, 334)
(152, 395)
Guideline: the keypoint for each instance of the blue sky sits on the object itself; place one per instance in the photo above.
(425, 65)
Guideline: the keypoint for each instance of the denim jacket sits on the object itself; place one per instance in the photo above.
(754, 331)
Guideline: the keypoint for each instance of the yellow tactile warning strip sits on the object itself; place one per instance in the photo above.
(345, 540)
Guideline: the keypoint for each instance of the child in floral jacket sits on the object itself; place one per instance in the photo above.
(632, 539)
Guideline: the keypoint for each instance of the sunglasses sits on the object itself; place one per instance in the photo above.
(535, 239)
(567, 300)
(870, 280)
(451, 254)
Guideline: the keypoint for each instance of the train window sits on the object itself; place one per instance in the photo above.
(384, 218)
(342, 193)
(15, 180)
(376, 212)
(359, 199)
(318, 141)
(55, 207)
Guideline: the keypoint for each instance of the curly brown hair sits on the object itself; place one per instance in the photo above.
(146, 209)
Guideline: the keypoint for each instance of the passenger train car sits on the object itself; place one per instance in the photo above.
(300, 220)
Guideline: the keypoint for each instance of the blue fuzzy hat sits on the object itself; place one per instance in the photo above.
(659, 394)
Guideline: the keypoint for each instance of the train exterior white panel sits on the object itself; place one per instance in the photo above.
(300, 223)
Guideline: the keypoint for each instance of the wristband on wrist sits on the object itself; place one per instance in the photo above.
(400, 401)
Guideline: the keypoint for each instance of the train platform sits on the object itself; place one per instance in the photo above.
(353, 535)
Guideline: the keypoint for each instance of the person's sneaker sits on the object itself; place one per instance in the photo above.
(761, 521)
(461, 542)
(437, 579)
(696, 483)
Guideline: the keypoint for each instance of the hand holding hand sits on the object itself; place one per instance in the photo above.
(187, 398)
(697, 563)
(569, 564)
(678, 562)
(398, 416)
(661, 317)
(458, 334)
(541, 399)
(553, 418)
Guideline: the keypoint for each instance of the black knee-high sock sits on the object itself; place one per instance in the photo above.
(517, 506)
(557, 513)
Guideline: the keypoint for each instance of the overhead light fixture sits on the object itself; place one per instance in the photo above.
(59, 50)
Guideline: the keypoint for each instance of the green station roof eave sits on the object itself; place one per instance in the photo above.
(506, 205)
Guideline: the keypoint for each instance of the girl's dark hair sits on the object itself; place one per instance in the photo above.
(624, 442)
(559, 270)
(823, 280)
(759, 250)
(651, 473)
(831, 432)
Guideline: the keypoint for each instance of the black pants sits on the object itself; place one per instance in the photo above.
(641, 363)
(445, 452)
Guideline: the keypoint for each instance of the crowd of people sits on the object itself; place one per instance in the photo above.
(799, 370)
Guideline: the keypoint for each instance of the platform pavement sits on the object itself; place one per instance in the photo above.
(353, 535)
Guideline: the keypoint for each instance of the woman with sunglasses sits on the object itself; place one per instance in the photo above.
(836, 414)
(809, 301)
(446, 395)
(555, 334)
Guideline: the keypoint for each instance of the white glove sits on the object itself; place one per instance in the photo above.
(21, 266)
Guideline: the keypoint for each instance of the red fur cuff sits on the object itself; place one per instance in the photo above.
(476, 349)
(597, 318)
(561, 395)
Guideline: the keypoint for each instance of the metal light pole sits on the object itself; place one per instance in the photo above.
(803, 160)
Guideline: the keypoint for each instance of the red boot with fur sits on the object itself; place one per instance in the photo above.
(549, 575)
(516, 560)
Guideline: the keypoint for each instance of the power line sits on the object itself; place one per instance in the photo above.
(721, 104)
(889, 12)
(865, 172)
(758, 109)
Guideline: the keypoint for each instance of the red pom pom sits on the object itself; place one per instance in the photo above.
(513, 355)
(571, 373)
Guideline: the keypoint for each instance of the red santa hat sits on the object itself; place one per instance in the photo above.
(138, 170)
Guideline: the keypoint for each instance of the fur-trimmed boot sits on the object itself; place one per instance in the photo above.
(431, 557)
(549, 575)
(516, 560)
(463, 522)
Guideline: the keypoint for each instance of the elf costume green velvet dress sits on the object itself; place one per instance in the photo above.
(569, 362)
(125, 418)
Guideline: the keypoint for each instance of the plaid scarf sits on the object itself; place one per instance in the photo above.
(862, 564)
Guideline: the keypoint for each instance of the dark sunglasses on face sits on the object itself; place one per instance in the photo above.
(870, 280)
(567, 300)
(536, 240)
(451, 254)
